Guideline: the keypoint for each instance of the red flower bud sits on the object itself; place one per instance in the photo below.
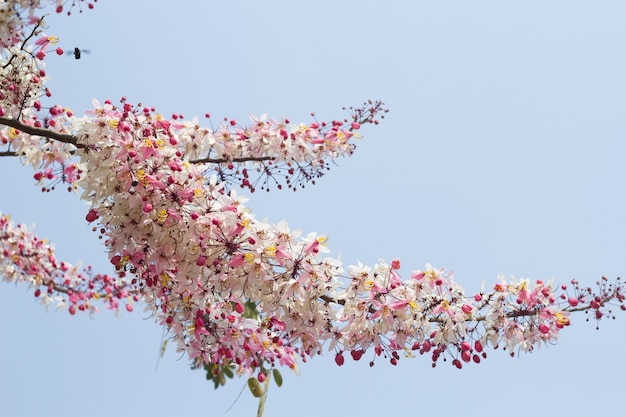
(339, 359)
(92, 215)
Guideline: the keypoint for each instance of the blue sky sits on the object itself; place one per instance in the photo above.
(502, 154)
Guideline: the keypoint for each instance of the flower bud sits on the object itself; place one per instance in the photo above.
(91, 216)
(339, 359)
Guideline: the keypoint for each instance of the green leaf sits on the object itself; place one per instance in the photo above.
(278, 378)
(228, 371)
(255, 387)
(250, 311)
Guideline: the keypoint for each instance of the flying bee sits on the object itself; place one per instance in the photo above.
(77, 52)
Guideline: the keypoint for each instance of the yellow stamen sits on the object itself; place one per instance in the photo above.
(161, 216)
(13, 133)
(561, 319)
(270, 251)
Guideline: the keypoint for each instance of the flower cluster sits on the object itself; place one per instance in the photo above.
(15, 15)
(233, 291)
(26, 259)
(430, 313)
(157, 192)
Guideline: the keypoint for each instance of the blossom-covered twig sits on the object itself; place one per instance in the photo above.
(27, 259)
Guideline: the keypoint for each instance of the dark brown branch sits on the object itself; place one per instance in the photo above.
(37, 131)
(224, 161)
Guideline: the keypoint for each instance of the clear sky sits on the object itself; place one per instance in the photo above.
(502, 154)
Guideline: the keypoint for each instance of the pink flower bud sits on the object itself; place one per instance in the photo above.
(478, 347)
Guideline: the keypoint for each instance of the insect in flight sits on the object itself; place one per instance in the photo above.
(77, 52)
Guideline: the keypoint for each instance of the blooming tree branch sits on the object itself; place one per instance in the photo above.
(235, 292)
(26, 259)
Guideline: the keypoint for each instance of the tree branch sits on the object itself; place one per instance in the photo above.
(70, 139)
(602, 301)
(224, 161)
(37, 131)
